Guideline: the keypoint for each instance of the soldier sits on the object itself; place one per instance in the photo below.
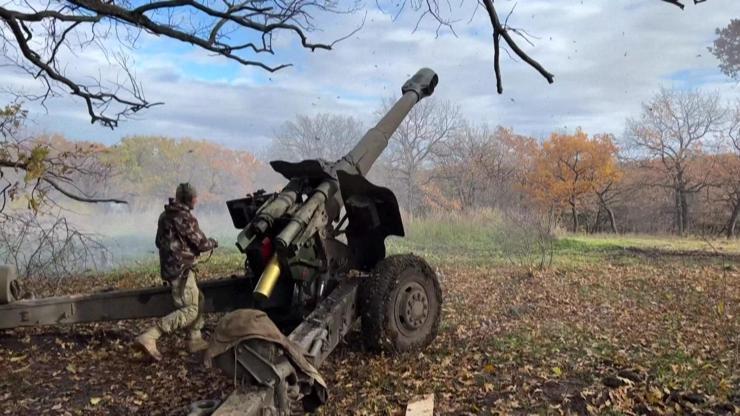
(180, 241)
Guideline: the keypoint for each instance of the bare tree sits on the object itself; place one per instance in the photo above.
(43, 38)
(416, 140)
(477, 167)
(48, 247)
(527, 236)
(729, 178)
(325, 136)
(671, 132)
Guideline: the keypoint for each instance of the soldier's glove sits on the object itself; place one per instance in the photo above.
(213, 241)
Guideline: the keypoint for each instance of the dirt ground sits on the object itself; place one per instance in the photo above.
(646, 336)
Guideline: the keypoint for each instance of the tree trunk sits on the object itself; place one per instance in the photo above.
(678, 212)
(574, 212)
(733, 220)
(410, 193)
(684, 212)
(597, 226)
(612, 219)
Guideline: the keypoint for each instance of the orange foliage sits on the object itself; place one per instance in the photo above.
(436, 200)
(568, 167)
(151, 167)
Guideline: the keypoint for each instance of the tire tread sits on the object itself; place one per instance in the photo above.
(375, 294)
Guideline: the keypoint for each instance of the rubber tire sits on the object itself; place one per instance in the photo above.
(378, 298)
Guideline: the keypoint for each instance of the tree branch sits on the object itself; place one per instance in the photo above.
(55, 184)
(91, 99)
(500, 31)
(675, 3)
(196, 22)
(80, 198)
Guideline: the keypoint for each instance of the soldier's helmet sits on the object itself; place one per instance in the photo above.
(185, 194)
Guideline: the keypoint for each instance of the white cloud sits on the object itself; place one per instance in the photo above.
(607, 57)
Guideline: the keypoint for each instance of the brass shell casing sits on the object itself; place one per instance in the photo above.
(268, 280)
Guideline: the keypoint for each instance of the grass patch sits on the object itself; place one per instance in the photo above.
(481, 239)
(666, 243)
(462, 243)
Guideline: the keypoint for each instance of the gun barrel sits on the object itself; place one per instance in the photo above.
(372, 144)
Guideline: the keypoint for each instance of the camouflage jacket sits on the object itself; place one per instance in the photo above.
(179, 240)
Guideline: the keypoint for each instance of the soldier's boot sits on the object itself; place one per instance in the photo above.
(196, 343)
(147, 342)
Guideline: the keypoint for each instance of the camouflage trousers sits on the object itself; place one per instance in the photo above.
(188, 301)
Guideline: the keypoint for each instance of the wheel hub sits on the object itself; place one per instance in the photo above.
(412, 307)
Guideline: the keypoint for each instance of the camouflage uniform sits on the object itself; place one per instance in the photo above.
(180, 241)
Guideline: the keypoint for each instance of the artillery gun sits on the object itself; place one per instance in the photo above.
(315, 264)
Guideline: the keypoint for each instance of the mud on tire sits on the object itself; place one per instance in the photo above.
(400, 305)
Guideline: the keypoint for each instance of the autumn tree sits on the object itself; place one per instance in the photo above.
(606, 180)
(569, 168)
(325, 136)
(411, 148)
(150, 168)
(670, 135)
(727, 48)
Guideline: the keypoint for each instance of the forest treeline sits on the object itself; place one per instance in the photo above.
(674, 168)
(144, 170)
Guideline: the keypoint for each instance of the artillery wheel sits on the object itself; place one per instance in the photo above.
(401, 305)
(7, 282)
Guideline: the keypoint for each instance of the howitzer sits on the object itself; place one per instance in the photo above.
(315, 263)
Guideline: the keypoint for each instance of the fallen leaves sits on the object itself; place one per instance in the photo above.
(89, 369)
(632, 338)
(17, 358)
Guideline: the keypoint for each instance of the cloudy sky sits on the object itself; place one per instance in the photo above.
(607, 56)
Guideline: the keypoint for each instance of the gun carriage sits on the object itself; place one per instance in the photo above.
(315, 264)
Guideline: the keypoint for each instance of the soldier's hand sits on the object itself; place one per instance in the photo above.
(213, 241)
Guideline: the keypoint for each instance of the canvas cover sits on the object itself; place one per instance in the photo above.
(244, 324)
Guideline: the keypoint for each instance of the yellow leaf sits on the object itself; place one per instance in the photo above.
(654, 395)
(489, 368)
(724, 386)
(95, 400)
(721, 308)
(557, 371)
